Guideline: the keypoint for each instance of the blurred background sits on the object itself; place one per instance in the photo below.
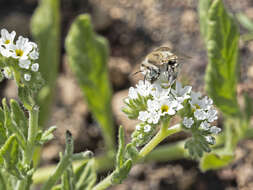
(133, 29)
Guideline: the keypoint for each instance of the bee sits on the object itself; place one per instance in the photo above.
(161, 64)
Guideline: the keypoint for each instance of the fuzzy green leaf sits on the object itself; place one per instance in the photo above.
(11, 126)
(9, 155)
(222, 45)
(245, 21)
(67, 180)
(85, 176)
(18, 116)
(122, 173)
(3, 135)
(87, 56)
(203, 8)
(132, 151)
(121, 147)
(45, 28)
(215, 161)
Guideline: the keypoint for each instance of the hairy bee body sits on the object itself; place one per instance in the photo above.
(161, 64)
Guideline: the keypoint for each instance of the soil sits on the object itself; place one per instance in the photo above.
(133, 29)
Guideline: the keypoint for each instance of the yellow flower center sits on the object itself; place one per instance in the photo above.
(164, 108)
(197, 106)
(19, 52)
(7, 41)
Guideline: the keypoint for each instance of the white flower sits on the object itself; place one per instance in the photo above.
(180, 93)
(27, 77)
(212, 115)
(168, 107)
(195, 101)
(153, 105)
(159, 93)
(138, 127)
(204, 125)
(132, 93)
(143, 88)
(215, 130)
(22, 48)
(35, 67)
(188, 122)
(206, 103)
(147, 128)
(7, 72)
(140, 136)
(210, 140)
(24, 63)
(6, 52)
(200, 114)
(153, 118)
(143, 115)
(7, 38)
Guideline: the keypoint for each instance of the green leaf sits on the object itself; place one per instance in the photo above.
(85, 175)
(132, 151)
(11, 126)
(67, 179)
(245, 21)
(9, 156)
(121, 147)
(203, 8)
(18, 116)
(121, 173)
(248, 110)
(215, 161)
(87, 56)
(47, 135)
(3, 132)
(222, 45)
(45, 28)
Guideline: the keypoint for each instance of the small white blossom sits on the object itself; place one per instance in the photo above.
(212, 115)
(35, 67)
(22, 48)
(168, 107)
(153, 105)
(7, 38)
(200, 114)
(147, 128)
(188, 122)
(180, 93)
(195, 101)
(215, 130)
(138, 127)
(204, 125)
(140, 136)
(210, 140)
(27, 77)
(24, 63)
(153, 118)
(206, 103)
(143, 115)
(7, 72)
(143, 88)
(6, 52)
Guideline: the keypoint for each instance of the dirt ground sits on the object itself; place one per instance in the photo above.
(133, 29)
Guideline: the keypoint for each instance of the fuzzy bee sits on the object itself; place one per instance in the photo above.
(161, 64)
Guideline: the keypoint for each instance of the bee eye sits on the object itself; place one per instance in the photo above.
(172, 62)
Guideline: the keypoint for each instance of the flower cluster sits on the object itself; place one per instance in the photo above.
(24, 53)
(153, 104)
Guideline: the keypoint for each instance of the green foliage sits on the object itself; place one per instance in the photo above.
(85, 175)
(222, 46)
(87, 56)
(245, 21)
(121, 148)
(9, 156)
(45, 28)
(134, 106)
(203, 8)
(215, 161)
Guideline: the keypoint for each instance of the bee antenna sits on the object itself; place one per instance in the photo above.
(136, 73)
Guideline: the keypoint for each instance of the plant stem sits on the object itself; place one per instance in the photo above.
(64, 163)
(161, 135)
(32, 132)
